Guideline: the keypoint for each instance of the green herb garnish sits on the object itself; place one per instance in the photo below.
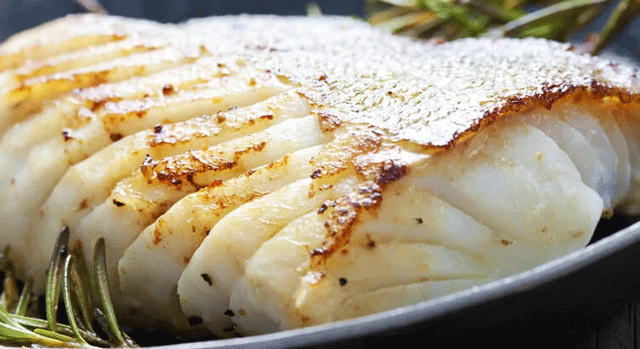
(452, 19)
(67, 279)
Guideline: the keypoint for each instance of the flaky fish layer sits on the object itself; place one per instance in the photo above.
(258, 173)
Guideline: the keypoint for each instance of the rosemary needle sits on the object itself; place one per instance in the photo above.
(101, 280)
(66, 292)
(52, 294)
(25, 296)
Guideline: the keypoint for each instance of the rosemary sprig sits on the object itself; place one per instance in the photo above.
(11, 333)
(67, 277)
(452, 19)
(101, 281)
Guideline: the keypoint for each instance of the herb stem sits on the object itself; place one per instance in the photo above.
(547, 14)
(624, 13)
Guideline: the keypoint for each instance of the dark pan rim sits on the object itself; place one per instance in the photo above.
(430, 309)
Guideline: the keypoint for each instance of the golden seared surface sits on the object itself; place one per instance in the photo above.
(424, 93)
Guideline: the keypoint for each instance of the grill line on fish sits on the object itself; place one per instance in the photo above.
(262, 173)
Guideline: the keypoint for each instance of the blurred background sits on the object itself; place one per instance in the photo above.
(17, 15)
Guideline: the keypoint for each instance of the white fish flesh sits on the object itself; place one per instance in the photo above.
(256, 173)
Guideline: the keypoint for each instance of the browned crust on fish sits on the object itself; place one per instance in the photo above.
(345, 213)
(551, 96)
(436, 95)
(426, 94)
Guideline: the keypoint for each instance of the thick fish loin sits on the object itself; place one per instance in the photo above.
(527, 180)
(253, 174)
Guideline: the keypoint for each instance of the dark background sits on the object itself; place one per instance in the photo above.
(16, 15)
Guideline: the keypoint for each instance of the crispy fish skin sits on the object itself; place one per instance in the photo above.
(154, 125)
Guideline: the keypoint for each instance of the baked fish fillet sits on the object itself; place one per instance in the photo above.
(256, 173)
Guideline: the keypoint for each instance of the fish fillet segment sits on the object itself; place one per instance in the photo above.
(258, 173)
